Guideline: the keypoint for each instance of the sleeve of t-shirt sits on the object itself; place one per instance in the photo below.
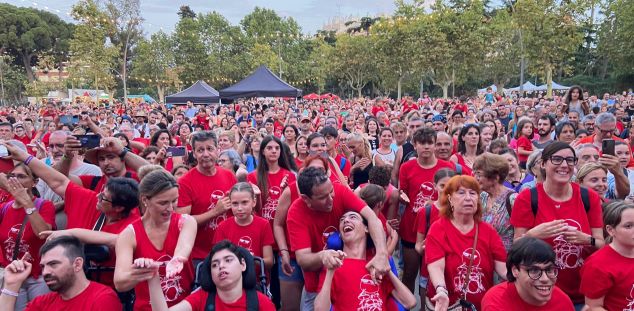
(595, 214)
(496, 246)
(73, 193)
(197, 299)
(351, 201)
(524, 143)
(86, 180)
(522, 214)
(252, 178)
(47, 211)
(219, 235)
(595, 283)
(434, 243)
(185, 194)
(298, 233)
(402, 179)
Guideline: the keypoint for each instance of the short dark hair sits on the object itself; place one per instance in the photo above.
(528, 251)
(124, 192)
(560, 127)
(203, 136)
(380, 175)
(329, 131)
(8, 124)
(372, 195)
(424, 135)
(555, 147)
(550, 119)
(309, 178)
(154, 139)
(226, 244)
(73, 248)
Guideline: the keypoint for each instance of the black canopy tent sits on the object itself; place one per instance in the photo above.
(199, 93)
(261, 83)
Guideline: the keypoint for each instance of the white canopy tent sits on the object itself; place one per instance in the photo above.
(556, 86)
(527, 87)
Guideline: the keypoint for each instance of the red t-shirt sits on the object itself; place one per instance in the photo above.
(198, 301)
(407, 107)
(174, 289)
(96, 297)
(444, 240)
(466, 170)
(252, 237)
(346, 166)
(274, 182)
(10, 225)
(504, 296)
(421, 226)
(376, 109)
(418, 184)
(310, 229)
(346, 295)
(610, 275)
(570, 257)
(202, 193)
(525, 143)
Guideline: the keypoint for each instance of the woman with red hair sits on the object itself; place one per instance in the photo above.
(461, 251)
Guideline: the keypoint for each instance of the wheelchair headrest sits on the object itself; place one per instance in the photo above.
(96, 253)
(248, 276)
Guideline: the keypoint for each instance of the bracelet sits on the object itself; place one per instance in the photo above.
(28, 160)
(593, 241)
(284, 250)
(9, 292)
(123, 153)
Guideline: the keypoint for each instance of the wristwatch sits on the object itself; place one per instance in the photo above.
(123, 152)
(593, 241)
(30, 211)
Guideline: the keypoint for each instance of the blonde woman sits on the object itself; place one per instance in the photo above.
(361, 159)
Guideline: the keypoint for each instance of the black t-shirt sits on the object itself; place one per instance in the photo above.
(630, 111)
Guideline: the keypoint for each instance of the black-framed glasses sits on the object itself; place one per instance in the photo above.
(101, 197)
(557, 160)
(535, 273)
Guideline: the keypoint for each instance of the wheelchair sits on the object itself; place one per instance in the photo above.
(96, 255)
(260, 286)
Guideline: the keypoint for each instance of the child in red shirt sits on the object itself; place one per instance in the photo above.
(245, 229)
(524, 136)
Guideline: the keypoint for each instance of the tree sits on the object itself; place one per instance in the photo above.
(93, 57)
(24, 32)
(190, 51)
(502, 51)
(156, 62)
(353, 62)
(551, 31)
(186, 12)
(614, 37)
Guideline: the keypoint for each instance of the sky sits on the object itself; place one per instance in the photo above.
(161, 14)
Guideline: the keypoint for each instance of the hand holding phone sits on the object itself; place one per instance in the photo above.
(607, 147)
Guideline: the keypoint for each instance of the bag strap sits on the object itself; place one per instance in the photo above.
(252, 300)
(16, 249)
(508, 202)
(93, 183)
(473, 249)
(100, 222)
(210, 305)
(585, 198)
(534, 196)
(428, 208)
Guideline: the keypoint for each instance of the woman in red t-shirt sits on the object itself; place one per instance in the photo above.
(301, 150)
(36, 215)
(160, 242)
(461, 251)
(607, 277)
(469, 146)
(524, 135)
(560, 218)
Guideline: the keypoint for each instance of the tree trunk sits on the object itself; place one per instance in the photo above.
(359, 92)
(549, 80)
(422, 89)
(398, 87)
(445, 90)
(26, 60)
(161, 93)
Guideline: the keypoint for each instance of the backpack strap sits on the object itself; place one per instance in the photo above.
(94, 182)
(534, 196)
(585, 198)
(458, 169)
(509, 206)
(428, 208)
(252, 300)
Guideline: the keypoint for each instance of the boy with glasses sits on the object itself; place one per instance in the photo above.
(531, 273)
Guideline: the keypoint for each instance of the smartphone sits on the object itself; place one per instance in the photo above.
(607, 147)
(65, 119)
(75, 119)
(89, 141)
(3, 151)
(178, 151)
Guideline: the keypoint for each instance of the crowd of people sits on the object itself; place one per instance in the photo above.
(485, 203)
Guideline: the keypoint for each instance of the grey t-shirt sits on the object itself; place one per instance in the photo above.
(47, 193)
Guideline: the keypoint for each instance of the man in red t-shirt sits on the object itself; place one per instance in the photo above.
(531, 273)
(330, 134)
(313, 217)
(416, 180)
(62, 262)
(225, 268)
(348, 268)
(203, 191)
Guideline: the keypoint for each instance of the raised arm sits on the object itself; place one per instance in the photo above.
(322, 301)
(55, 180)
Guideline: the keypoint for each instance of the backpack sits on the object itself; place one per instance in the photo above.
(585, 198)
(95, 180)
(342, 163)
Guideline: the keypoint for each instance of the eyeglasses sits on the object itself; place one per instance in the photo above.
(557, 160)
(535, 273)
(101, 197)
(220, 161)
(606, 132)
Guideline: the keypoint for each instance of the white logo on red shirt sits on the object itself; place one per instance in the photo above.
(246, 242)
(369, 298)
(216, 195)
(474, 279)
(425, 194)
(630, 301)
(9, 243)
(171, 287)
(568, 255)
(268, 210)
